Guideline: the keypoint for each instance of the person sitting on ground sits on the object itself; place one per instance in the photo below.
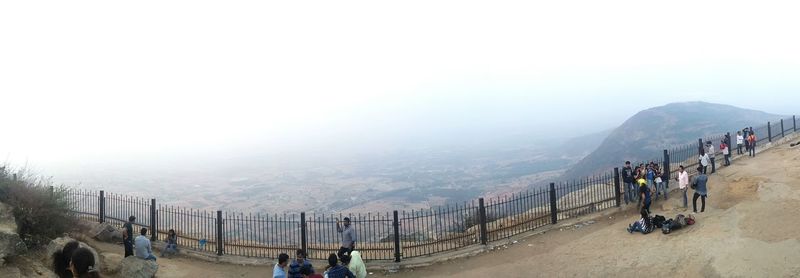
(279, 270)
(335, 270)
(82, 264)
(62, 258)
(299, 262)
(308, 272)
(142, 247)
(172, 244)
(644, 225)
(355, 264)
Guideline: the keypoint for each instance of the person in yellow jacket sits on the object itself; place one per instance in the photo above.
(355, 264)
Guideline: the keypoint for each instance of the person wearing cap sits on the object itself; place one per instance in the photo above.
(348, 236)
(644, 194)
(127, 236)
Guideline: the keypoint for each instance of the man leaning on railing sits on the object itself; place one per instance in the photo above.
(348, 236)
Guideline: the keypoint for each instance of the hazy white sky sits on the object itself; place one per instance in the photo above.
(90, 78)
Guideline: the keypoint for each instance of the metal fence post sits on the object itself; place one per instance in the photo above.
(617, 191)
(701, 150)
(666, 163)
(482, 215)
(303, 233)
(553, 208)
(769, 131)
(219, 233)
(396, 226)
(101, 214)
(782, 133)
(153, 230)
(794, 122)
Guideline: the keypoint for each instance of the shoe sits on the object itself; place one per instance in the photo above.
(630, 231)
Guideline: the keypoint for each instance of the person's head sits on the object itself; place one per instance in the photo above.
(300, 255)
(306, 270)
(627, 163)
(61, 259)
(332, 260)
(681, 167)
(171, 232)
(131, 218)
(143, 231)
(283, 259)
(738, 133)
(345, 259)
(82, 263)
(346, 221)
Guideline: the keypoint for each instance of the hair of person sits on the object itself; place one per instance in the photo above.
(143, 231)
(332, 260)
(627, 162)
(171, 231)
(83, 261)
(346, 219)
(301, 253)
(306, 270)
(283, 258)
(62, 257)
(131, 218)
(680, 166)
(345, 259)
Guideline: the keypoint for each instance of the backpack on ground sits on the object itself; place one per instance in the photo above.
(658, 221)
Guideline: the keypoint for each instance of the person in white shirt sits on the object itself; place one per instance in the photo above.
(704, 160)
(711, 153)
(683, 184)
(142, 246)
(739, 142)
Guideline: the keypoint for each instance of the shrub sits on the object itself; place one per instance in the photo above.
(42, 212)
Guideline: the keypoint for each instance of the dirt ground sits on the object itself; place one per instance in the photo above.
(747, 230)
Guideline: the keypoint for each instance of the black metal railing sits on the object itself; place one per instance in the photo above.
(395, 235)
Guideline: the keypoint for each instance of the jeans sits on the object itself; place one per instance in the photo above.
(694, 202)
(727, 160)
(713, 166)
(705, 169)
(739, 149)
(170, 249)
(651, 185)
(151, 258)
(665, 187)
(753, 150)
(128, 248)
(659, 188)
(685, 198)
(630, 192)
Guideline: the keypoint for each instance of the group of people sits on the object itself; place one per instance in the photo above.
(346, 263)
(141, 244)
(74, 261)
(643, 181)
(748, 138)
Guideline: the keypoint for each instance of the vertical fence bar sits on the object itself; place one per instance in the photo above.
(794, 122)
(699, 145)
(553, 210)
(153, 231)
(101, 203)
(617, 192)
(482, 215)
(219, 233)
(303, 233)
(782, 133)
(666, 163)
(769, 131)
(396, 227)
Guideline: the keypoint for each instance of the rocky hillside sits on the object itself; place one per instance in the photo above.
(647, 133)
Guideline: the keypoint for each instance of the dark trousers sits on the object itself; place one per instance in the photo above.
(343, 250)
(727, 160)
(753, 150)
(694, 202)
(128, 248)
(705, 169)
(713, 165)
(647, 206)
(739, 149)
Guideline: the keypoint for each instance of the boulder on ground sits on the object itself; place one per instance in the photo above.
(135, 267)
(10, 242)
(106, 233)
(112, 262)
(58, 244)
(10, 271)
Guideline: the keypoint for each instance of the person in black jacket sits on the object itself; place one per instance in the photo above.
(629, 183)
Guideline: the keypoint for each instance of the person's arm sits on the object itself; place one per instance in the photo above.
(338, 226)
(349, 273)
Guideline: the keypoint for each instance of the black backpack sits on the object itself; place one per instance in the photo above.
(658, 221)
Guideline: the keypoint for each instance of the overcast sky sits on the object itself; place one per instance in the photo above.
(82, 79)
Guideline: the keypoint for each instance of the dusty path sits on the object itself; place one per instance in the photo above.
(749, 229)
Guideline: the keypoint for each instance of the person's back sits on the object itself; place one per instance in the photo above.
(701, 182)
(142, 248)
(356, 265)
(339, 271)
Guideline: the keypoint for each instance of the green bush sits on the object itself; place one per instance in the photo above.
(42, 212)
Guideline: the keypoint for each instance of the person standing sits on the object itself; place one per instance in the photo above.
(739, 142)
(348, 236)
(665, 181)
(650, 176)
(683, 185)
(751, 139)
(143, 248)
(627, 179)
(127, 236)
(746, 133)
(279, 271)
(723, 147)
(704, 160)
(711, 154)
(700, 185)
(644, 195)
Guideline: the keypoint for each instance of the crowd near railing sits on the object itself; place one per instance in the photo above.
(395, 235)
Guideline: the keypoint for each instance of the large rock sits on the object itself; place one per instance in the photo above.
(10, 242)
(112, 262)
(58, 244)
(106, 233)
(10, 272)
(134, 267)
